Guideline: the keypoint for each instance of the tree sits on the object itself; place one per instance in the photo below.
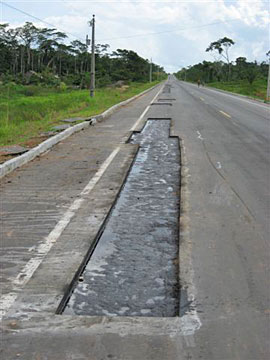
(28, 35)
(241, 66)
(45, 55)
(222, 46)
(80, 51)
(9, 48)
(251, 72)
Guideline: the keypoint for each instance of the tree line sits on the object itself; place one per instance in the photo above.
(31, 55)
(222, 69)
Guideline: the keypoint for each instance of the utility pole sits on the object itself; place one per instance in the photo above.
(268, 83)
(92, 75)
(88, 43)
(150, 74)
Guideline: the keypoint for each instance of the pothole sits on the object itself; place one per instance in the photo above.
(134, 268)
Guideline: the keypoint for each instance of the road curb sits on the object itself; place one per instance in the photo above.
(18, 161)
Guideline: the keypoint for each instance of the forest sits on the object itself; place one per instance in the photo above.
(222, 69)
(239, 76)
(217, 71)
(30, 55)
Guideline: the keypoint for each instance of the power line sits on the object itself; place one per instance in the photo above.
(45, 22)
(170, 31)
(144, 2)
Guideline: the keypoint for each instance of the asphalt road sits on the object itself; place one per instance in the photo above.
(55, 207)
(226, 156)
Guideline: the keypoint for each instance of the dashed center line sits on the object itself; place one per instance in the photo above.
(225, 114)
(199, 136)
(219, 165)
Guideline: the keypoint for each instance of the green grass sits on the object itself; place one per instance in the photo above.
(27, 111)
(257, 90)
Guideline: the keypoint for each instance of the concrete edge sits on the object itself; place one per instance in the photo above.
(18, 161)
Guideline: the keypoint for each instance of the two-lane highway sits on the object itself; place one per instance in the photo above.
(225, 218)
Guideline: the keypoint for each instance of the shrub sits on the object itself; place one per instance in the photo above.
(62, 86)
(50, 79)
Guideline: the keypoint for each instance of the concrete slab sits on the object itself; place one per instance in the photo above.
(73, 120)
(60, 127)
(13, 150)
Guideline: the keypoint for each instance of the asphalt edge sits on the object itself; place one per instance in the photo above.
(262, 102)
(12, 164)
(190, 320)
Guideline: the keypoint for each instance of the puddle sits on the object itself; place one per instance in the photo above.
(134, 268)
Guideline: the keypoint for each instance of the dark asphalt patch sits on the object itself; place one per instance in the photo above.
(134, 269)
(162, 103)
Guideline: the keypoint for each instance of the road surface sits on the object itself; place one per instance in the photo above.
(55, 208)
(226, 150)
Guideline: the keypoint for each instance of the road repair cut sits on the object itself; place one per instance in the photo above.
(134, 269)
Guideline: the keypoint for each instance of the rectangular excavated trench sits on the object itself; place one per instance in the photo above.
(134, 269)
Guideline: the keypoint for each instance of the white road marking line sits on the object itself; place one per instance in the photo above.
(145, 111)
(42, 250)
(235, 96)
(225, 114)
(234, 123)
(200, 136)
(140, 118)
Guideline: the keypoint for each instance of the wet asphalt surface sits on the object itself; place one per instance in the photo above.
(134, 269)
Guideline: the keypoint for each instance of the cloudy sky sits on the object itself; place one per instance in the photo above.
(174, 33)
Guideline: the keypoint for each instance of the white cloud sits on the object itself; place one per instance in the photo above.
(74, 24)
(246, 22)
(257, 49)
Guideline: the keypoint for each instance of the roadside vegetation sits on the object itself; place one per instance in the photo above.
(255, 90)
(44, 78)
(239, 76)
(26, 112)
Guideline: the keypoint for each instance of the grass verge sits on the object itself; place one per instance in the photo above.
(28, 111)
(257, 90)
